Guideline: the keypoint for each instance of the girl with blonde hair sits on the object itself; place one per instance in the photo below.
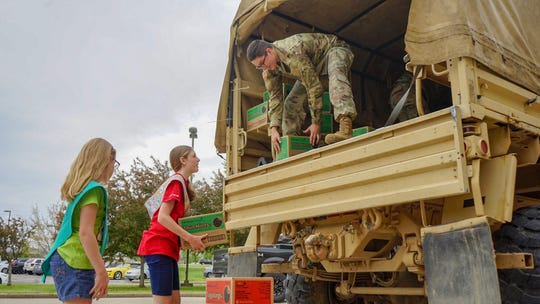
(160, 244)
(75, 259)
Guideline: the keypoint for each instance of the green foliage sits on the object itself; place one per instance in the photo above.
(128, 218)
(14, 238)
(209, 195)
(48, 289)
(46, 227)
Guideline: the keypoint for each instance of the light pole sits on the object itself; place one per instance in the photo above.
(9, 250)
(192, 135)
(9, 214)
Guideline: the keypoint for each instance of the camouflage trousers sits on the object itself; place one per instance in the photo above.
(339, 87)
(409, 107)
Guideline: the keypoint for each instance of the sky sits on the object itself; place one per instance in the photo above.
(138, 73)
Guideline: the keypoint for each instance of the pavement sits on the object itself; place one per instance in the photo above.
(107, 300)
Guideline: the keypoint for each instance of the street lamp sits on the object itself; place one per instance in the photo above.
(9, 216)
(9, 250)
(192, 135)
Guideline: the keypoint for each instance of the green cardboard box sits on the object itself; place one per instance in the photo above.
(293, 145)
(326, 105)
(213, 224)
(257, 116)
(327, 123)
(362, 130)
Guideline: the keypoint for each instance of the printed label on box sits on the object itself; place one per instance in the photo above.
(212, 224)
(240, 290)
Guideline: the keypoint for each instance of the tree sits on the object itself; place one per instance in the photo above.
(209, 195)
(46, 227)
(14, 238)
(128, 218)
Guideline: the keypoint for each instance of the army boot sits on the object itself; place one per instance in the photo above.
(345, 131)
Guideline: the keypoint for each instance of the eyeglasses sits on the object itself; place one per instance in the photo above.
(260, 66)
(116, 164)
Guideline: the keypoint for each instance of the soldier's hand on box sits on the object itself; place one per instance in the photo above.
(314, 131)
(275, 138)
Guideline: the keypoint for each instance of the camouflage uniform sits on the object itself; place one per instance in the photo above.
(306, 57)
(409, 107)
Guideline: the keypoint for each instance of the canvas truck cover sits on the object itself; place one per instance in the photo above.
(502, 35)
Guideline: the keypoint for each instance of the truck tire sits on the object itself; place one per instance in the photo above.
(304, 291)
(520, 235)
(279, 286)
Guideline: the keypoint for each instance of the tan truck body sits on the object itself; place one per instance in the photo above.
(366, 212)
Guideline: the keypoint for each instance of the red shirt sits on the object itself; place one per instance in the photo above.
(158, 239)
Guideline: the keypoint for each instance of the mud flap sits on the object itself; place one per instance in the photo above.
(460, 263)
(242, 263)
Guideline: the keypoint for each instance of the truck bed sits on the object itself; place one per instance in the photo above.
(417, 160)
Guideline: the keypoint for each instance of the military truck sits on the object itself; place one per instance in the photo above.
(441, 208)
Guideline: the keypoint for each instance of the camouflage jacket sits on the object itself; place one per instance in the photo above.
(302, 57)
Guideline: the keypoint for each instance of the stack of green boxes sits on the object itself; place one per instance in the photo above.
(362, 130)
(327, 120)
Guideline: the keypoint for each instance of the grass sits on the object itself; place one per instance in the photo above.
(195, 276)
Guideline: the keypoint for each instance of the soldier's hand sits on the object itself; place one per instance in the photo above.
(314, 131)
(275, 139)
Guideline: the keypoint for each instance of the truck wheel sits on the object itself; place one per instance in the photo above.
(279, 286)
(304, 291)
(520, 235)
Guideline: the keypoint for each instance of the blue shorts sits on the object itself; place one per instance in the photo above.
(71, 283)
(163, 274)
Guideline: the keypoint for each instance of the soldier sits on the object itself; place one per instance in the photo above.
(305, 57)
(409, 107)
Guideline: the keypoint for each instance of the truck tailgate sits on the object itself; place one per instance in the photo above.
(422, 158)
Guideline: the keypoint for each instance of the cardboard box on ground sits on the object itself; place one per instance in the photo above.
(213, 224)
(240, 290)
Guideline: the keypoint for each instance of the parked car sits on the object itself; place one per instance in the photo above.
(135, 272)
(37, 267)
(3, 278)
(208, 272)
(17, 265)
(29, 265)
(119, 271)
(4, 266)
(205, 261)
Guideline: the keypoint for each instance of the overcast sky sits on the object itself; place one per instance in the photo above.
(137, 73)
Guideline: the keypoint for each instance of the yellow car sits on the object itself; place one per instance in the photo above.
(117, 271)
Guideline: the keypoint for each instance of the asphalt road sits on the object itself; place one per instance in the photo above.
(26, 278)
(144, 300)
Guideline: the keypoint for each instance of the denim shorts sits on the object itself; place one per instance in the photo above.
(163, 274)
(71, 283)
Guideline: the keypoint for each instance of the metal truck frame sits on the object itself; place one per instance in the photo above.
(442, 208)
